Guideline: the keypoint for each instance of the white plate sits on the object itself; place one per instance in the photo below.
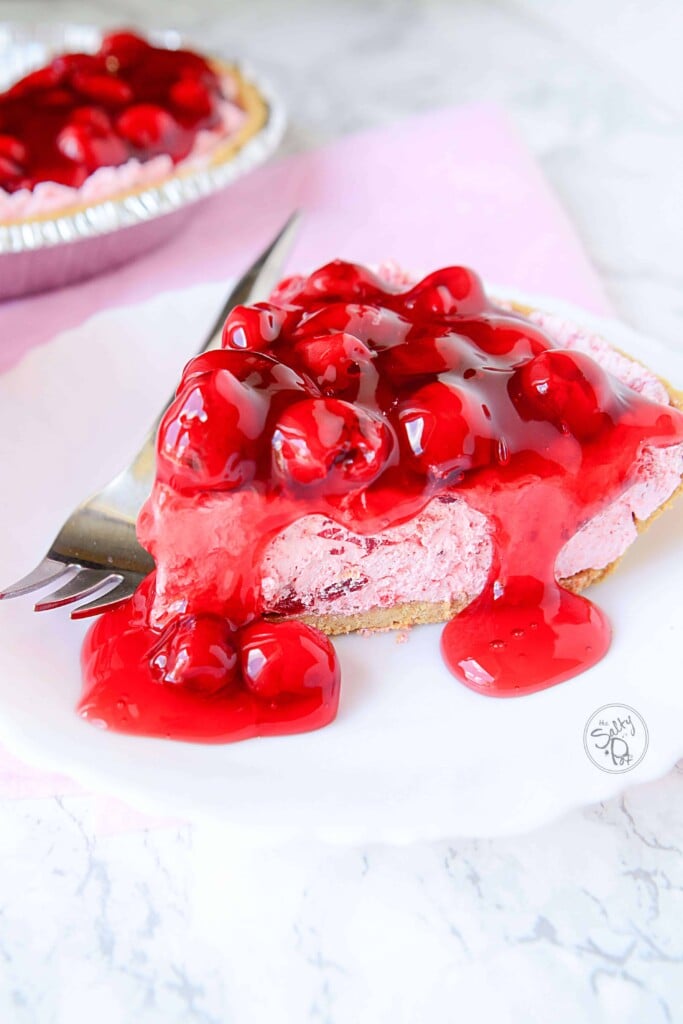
(413, 755)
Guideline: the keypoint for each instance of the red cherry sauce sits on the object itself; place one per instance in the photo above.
(346, 397)
(85, 111)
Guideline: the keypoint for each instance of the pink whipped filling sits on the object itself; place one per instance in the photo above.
(317, 567)
(49, 197)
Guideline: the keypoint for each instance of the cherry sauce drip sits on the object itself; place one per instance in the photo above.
(349, 398)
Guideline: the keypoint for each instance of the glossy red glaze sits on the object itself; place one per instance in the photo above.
(124, 663)
(85, 111)
(345, 397)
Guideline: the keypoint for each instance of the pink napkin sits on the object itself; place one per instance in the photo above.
(453, 186)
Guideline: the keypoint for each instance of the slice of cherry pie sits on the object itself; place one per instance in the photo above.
(367, 454)
(88, 127)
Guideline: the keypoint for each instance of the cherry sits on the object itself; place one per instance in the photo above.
(447, 292)
(334, 361)
(426, 355)
(85, 146)
(253, 327)
(162, 68)
(285, 659)
(37, 81)
(343, 282)
(152, 80)
(153, 130)
(104, 89)
(254, 369)
(92, 117)
(209, 437)
(197, 652)
(331, 442)
(123, 50)
(567, 389)
(191, 65)
(509, 337)
(53, 99)
(191, 97)
(443, 432)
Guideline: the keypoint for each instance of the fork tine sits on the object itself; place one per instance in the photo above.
(86, 582)
(125, 589)
(48, 571)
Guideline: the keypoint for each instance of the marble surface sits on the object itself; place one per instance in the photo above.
(579, 921)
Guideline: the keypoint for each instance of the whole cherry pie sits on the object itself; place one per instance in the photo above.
(90, 126)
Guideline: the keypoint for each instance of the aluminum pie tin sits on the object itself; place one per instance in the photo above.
(60, 249)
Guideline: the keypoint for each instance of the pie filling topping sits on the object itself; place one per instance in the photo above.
(347, 397)
(84, 111)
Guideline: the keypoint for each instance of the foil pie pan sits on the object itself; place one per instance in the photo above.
(39, 254)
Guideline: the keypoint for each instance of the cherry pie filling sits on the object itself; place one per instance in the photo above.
(84, 111)
(346, 397)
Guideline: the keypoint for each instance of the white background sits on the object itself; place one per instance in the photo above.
(580, 921)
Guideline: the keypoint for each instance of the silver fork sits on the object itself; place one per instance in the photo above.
(97, 545)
